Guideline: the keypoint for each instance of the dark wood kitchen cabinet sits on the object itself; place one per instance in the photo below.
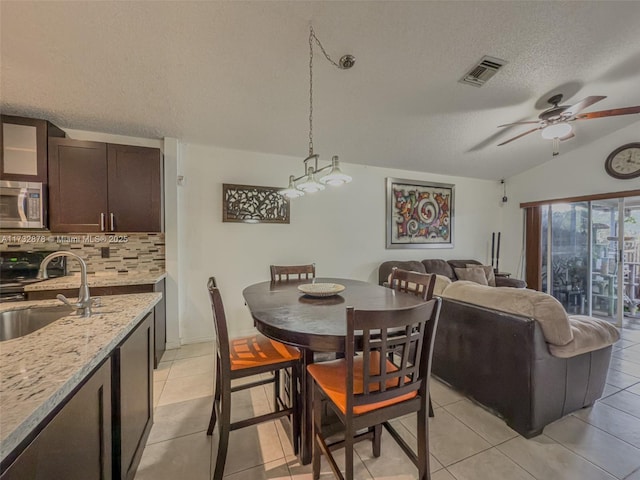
(77, 443)
(132, 398)
(23, 148)
(100, 187)
(99, 431)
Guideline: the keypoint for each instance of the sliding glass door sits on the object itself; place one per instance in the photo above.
(605, 252)
(566, 259)
(591, 257)
(630, 249)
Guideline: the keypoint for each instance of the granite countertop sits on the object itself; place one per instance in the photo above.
(97, 280)
(39, 369)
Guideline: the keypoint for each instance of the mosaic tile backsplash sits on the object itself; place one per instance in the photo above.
(140, 252)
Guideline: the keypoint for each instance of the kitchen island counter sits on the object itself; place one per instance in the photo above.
(39, 370)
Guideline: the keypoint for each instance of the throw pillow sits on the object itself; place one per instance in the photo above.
(488, 272)
(476, 275)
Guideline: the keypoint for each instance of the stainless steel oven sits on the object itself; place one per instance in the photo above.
(21, 204)
(19, 269)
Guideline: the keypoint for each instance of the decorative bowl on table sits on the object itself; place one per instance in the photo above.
(321, 289)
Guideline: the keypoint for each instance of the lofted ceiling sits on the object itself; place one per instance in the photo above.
(235, 74)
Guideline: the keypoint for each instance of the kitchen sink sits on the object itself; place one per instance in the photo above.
(17, 323)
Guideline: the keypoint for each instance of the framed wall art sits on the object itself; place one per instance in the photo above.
(419, 214)
(253, 204)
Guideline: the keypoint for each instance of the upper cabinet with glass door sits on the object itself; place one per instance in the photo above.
(23, 148)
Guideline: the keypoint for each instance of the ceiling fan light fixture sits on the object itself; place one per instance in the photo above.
(557, 130)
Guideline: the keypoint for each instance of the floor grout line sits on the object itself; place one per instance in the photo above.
(623, 411)
(632, 473)
(178, 436)
(557, 443)
(585, 458)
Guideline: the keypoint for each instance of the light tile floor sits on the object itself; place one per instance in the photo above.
(467, 442)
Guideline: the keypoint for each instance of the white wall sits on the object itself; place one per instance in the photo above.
(341, 229)
(576, 173)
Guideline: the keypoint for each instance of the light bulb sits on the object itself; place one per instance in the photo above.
(310, 184)
(291, 191)
(335, 177)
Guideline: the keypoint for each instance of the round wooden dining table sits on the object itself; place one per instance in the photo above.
(283, 313)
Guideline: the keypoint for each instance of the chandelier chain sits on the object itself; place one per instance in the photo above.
(324, 52)
(312, 37)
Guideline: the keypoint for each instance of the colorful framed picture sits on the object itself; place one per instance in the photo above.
(252, 204)
(419, 214)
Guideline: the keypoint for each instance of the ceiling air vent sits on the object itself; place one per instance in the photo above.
(483, 71)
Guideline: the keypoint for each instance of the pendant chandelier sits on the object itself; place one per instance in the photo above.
(310, 181)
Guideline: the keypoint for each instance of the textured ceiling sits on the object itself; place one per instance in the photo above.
(235, 74)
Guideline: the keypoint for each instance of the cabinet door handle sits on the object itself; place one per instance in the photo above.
(102, 222)
(113, 221)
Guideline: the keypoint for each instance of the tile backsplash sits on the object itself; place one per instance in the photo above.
(141, 252)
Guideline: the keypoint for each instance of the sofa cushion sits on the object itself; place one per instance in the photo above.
(589, 334)
(488, 272)
(545, 309)
(462, 263)
(442, 282)
(439, 267)
(475, 275)
(385, 268)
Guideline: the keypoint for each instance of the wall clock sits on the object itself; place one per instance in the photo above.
(624, 162)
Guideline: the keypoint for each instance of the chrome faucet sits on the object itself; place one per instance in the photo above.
(83, 305)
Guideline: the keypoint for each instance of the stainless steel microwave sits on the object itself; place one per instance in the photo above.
(21, 204)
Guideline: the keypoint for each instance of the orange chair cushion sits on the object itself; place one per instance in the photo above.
(248, 352)
(331, 378)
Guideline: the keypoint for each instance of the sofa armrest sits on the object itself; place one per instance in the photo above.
(510, 282)
(589, 334)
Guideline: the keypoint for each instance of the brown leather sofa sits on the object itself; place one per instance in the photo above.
(502, 361)
(440, 267)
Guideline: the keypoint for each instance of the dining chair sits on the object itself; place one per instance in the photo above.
(245, 357)
(281, 273)
(367, 390)
(416, 283)
(284, 273)
(420, 284)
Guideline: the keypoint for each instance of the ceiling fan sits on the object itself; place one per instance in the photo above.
(554, 122)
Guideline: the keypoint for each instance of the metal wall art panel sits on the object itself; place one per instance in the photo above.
(419, 214)
(253, 204)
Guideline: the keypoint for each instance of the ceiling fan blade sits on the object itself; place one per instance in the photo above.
(609, 113)
(519, 136)
(519, 123)
(581, 105)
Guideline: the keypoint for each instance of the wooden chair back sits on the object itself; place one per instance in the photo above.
(397, 346)
(420, 284)
(280, 273)
(220, 326)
